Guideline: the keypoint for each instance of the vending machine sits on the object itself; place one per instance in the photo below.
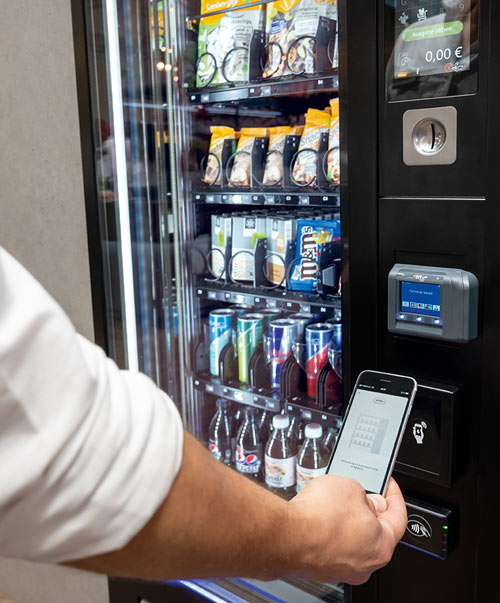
(288, 193)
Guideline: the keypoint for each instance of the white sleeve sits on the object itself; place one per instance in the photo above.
(87, 452)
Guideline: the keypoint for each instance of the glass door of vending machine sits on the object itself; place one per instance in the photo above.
(216, 130)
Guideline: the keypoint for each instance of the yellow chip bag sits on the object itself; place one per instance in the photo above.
(305, 168)
(241, 172)
(333, 160)
(213, 171)
(273, 172)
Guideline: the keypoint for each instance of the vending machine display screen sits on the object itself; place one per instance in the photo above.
(421, 298)
(432, 37)
(431, 46)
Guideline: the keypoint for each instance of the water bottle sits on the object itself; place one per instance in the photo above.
(220, 433)
(249, 448)
(281, 458)
(313, 457)
(264, 423)
(330, 439)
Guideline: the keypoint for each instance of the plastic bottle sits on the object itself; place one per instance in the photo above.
(220, 433)
(330, 439)
(313, 457)
(296, 430)
(281, 458)
(249, 448)
(264, 422)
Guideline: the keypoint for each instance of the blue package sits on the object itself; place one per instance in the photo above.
(311, 234)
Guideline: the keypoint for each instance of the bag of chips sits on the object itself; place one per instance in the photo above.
(291, 26)
(213, 171)
(305, 168)
(333, 157)
(273, 172)
(241, 173)
(224, 42)
(311, 234)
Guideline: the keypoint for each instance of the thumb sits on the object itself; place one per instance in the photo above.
(377, 503)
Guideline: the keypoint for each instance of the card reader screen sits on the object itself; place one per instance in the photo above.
(421, 298)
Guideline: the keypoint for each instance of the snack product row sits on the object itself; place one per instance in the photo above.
(293, 246)
(291, 44)
(236, 165)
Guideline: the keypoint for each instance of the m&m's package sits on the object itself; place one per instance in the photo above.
(311, 234)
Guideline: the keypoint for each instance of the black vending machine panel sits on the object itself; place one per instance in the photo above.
(429, 241)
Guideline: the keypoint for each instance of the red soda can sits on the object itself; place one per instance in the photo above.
(318, 338)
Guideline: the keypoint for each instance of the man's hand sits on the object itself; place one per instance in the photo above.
(343, 535)
(217, 523)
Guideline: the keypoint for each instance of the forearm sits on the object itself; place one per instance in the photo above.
(214, 522)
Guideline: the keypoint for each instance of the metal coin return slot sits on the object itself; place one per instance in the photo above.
(429, 136)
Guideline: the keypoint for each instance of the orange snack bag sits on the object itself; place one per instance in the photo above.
(306, 164)
(241, 172)
(213, 171)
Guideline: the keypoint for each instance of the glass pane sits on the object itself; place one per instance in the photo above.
(126, 46)
(217, 129)
(256, 122)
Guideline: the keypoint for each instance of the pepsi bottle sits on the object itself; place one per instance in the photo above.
(220, 433)
(249, 448)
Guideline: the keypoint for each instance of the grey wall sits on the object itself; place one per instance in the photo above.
(42, 219)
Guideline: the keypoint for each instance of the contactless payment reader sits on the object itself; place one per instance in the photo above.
(427, 301)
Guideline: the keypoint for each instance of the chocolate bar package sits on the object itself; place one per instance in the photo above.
(311, 234)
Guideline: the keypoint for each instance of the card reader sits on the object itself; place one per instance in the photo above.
(430, 529)
(428, 301)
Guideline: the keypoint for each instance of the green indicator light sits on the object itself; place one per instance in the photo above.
(445, 527)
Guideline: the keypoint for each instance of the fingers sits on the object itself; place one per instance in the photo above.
(394, 519)
(358, 580)
(377, 503)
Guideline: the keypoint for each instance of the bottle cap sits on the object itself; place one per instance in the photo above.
(313, 430)
(222, 402)
(281, 421)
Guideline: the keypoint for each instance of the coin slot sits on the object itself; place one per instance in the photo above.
(429, 137)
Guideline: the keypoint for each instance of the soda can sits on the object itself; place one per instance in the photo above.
(282, 334)
(249, 337)
(221, 323)
(302, 319)
(318, 338)
(269, 315)
(240, 309)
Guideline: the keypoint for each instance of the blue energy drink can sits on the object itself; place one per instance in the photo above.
(282, 334)
(221, 328)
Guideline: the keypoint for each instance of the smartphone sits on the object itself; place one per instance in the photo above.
(372, 430)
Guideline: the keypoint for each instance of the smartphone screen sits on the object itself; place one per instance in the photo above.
(370, 435)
